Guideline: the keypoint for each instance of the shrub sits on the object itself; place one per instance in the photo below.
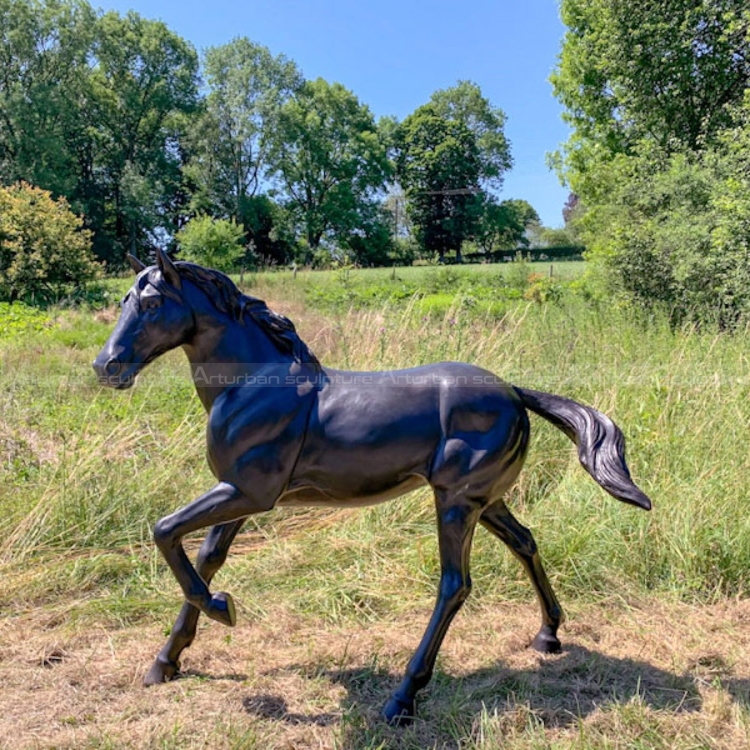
(216, 243)
(44, 249)
(673, 230)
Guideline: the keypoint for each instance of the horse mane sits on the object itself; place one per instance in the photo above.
(227, 298)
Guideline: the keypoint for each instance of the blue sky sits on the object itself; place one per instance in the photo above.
(393, 54)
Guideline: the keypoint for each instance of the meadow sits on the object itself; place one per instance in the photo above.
(331, 603)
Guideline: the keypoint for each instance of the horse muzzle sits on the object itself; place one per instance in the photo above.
(112, 373)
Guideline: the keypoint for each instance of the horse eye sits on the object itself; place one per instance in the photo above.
(150, 303)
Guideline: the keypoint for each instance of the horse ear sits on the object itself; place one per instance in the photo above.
(135, 264)
(168, 269)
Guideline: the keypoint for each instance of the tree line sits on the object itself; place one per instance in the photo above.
(235, 153)
(658, 98)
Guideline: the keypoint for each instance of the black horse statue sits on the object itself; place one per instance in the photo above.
(283, 430)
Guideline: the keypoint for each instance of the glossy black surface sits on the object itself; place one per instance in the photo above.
(283, 430)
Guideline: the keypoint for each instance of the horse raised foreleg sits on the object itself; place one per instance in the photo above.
(456, 522)
(501, 522)
(211, 557)
(220, 505)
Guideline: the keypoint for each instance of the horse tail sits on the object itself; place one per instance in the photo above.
(600, 442)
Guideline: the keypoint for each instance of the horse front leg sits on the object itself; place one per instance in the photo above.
(502, 523)
(456, 522)
(222, 504)
(211, 556)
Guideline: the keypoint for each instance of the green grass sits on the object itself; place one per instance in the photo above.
(484, 288)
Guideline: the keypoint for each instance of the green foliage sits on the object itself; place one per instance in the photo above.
(549, 237)
(464, 103)
(142, 88)
(659, 71)
(371, 243)
(657, 157)
(216, 243)
(267, 230)
(447, 153)
(18, 320)
(44, 250)
(438, 166)
(230, 140)
(504, 225)
(675, 232)
(93, 106)
(104, 109)
(330, 161)
(43, 50)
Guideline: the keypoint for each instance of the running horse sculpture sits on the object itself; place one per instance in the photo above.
(285, 431)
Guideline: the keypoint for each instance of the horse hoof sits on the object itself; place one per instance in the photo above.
(546, 642)
(161, 671)
(221, 609)
(398, 713)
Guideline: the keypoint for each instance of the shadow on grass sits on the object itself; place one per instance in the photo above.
(275, 707)
(556, 693)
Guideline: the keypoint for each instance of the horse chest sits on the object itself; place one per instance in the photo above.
(252, 438)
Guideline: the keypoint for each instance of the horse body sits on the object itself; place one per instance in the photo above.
(374, 436)
(284, 430)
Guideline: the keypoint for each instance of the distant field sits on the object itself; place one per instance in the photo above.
(562, 269)
(485, 289)
(422, 276)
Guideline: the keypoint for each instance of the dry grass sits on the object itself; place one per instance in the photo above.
(673, 671)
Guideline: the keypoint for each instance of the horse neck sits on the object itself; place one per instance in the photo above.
(224, 353)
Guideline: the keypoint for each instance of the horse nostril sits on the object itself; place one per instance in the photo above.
(112, 367)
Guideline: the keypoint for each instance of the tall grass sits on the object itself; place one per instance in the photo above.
(83, 468)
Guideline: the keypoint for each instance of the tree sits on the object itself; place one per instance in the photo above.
(329, 160)
(665, 72)
(93, 108)
(266, 231)
(371, 242)
(438, 166)
(143, 86)
(216, 243)
(449, 154)
(504, 225)
(231, 140)
(464, 103)
(44, 249)
(657, 96)
(43, 67)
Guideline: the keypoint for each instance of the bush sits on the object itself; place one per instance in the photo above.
(44, 251)
(216, 243)
(662, 235)
(672, 230)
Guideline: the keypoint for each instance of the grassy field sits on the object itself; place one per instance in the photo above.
(432, 290)
(332, 603)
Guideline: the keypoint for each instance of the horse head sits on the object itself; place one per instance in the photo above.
(154, 318)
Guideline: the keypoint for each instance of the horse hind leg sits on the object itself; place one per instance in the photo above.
(456, 523)
(211, 556)
(500, 521)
